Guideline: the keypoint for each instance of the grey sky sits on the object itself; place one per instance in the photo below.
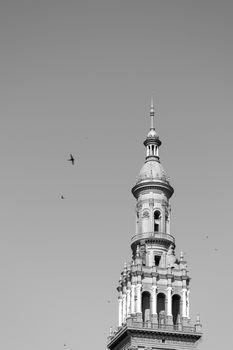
(77, 76)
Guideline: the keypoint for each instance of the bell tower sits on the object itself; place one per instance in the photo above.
(154, 289)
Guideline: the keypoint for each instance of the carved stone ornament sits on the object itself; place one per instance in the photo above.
(146, 214)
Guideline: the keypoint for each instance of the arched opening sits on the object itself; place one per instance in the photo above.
(160, 305)
(157, 259)
(145, 306)
(175, 307)
(156, 220)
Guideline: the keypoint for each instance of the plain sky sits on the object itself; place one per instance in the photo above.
(77, 77)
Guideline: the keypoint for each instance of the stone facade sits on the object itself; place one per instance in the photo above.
(154, 289)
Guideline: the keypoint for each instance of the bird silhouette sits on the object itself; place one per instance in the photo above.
(62, 197)
(71, 159)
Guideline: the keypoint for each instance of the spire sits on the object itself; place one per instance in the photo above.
(152, 114)
(152, 141)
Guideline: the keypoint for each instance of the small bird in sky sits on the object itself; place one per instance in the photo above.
(62, 197)
(71, 159)
(207, 236)
(215, 249)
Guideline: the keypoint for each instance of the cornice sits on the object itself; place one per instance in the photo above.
(146, 185)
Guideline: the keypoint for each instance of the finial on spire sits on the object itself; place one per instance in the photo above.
(181, 256)
(125, 269)
(152, 114)
(198, 325)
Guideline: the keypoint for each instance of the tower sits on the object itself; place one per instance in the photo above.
(154, 289)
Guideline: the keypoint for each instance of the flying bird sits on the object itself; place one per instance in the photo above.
(71, 159)
(62, 197)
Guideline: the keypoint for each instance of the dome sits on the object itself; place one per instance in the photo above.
(152, 134)
(152, 170)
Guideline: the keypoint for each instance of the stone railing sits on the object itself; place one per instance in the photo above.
(163, 327)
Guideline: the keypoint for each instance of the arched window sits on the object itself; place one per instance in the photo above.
(175, 307)
(145, 306)
(160, 305)
(156, 220)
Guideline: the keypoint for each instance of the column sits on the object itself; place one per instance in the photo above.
(139, 298)
(154, 318)
(187, 303)
(120, 319)
(139, 218)
(151, 224)
(169, 221)
(169, 301)
(169, 306)
(162, 220)
(137, 221)
(128, 302)
(154, 300)
(133, 299)
(184, 302)
(168, 231)
(123, 308)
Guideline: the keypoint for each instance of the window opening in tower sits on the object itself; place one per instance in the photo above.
(145, 306)
(156, 220)
(161, 307)
(175, 307)
(157, 260)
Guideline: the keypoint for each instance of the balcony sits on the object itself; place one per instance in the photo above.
(156, 330)
(158, 237)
